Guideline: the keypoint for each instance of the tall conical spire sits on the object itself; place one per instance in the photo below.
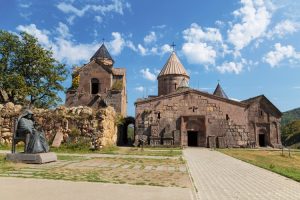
(173, 66)
(102, 54)
(220, 92)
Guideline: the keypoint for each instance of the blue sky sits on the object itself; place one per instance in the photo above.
(251, 46)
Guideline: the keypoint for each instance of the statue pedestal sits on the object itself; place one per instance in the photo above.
(38, 158)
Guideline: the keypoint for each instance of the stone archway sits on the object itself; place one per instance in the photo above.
(126, 132)
(194, 131)
(262, 138)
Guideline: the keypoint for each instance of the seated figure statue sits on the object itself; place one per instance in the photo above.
(35, 140)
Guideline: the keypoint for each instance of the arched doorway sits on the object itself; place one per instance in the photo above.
(126, 132)
(262, 138)
(195, 128)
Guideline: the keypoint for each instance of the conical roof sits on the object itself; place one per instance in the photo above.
(220, 92)
(173, 66)
(102, 54)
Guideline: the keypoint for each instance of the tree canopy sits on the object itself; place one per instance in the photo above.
(29, 74)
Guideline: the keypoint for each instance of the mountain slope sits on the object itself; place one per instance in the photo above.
(290, 116)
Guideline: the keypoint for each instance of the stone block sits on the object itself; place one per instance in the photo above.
(39, 158)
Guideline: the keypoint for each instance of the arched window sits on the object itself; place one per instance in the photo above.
(95, 86)
(227, 117)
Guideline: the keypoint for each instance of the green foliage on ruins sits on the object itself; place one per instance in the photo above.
(29, 74)
(117, 85)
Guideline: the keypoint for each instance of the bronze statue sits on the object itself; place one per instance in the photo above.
(35, 140)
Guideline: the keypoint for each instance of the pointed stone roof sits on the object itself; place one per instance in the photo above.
(173, 66)
(102, 54)
(220, 92)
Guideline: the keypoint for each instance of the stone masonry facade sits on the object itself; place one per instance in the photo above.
(189, 117)
(99, 84)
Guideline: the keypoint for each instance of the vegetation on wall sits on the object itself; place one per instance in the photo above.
(29, 74)
(118, 85)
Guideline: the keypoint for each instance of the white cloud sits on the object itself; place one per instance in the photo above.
(201, 45)
(199, 53)
(147, 74)
(255, 16)
(63, 30)
(140, 89)
(116, 6)
(283, 28)
(230, 67)
(117, 44)
(195, 34)
(41, 35)
(98, 19)
(165, 49)
(162, 26)
(150, 38)
(280, 53)
(66, 50)
(296, 87)
(25, 5)
(143, 51)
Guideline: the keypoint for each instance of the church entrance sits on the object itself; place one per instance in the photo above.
(192, 138)
(262, 140)
(194, 131)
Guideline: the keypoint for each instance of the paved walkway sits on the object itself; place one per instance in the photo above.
(30, 189)
(218, 176)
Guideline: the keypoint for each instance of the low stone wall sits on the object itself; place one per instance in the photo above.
(63, 124)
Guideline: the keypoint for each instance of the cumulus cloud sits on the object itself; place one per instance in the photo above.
(116, 6)
(140, 89)
(199, 53)
(150, 38)
(255, 17)
(230, 67)
(201, 45)
(147, 74)
(283, 28)
(66, 50)
(117, 44)
(41, 35)
(196, 34)
(280, 53)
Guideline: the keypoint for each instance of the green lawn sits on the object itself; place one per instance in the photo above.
(83, 149)
(270, 160)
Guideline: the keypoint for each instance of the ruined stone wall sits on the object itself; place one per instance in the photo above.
(96, 126)
(222, 118)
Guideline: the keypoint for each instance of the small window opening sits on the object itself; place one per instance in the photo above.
(158, 115)
(95, 86)
(227, 117)
(261, 113)
(175, 86)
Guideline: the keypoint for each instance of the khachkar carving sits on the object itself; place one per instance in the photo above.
(26, 131)
(36, 149)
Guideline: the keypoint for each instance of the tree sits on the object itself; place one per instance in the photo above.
(29, 73)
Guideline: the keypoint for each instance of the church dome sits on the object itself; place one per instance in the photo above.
(173, 66)
(103, 56)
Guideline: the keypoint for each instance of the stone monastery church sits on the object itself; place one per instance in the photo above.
(178, 115)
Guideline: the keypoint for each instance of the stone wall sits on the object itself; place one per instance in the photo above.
(225, 120)
(65, 124)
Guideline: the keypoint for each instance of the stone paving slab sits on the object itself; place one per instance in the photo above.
(220, 177)
(28, 189)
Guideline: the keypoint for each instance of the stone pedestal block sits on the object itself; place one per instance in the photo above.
(38, 158)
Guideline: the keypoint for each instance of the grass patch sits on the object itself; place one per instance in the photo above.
(270, 160)
(80, 168)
